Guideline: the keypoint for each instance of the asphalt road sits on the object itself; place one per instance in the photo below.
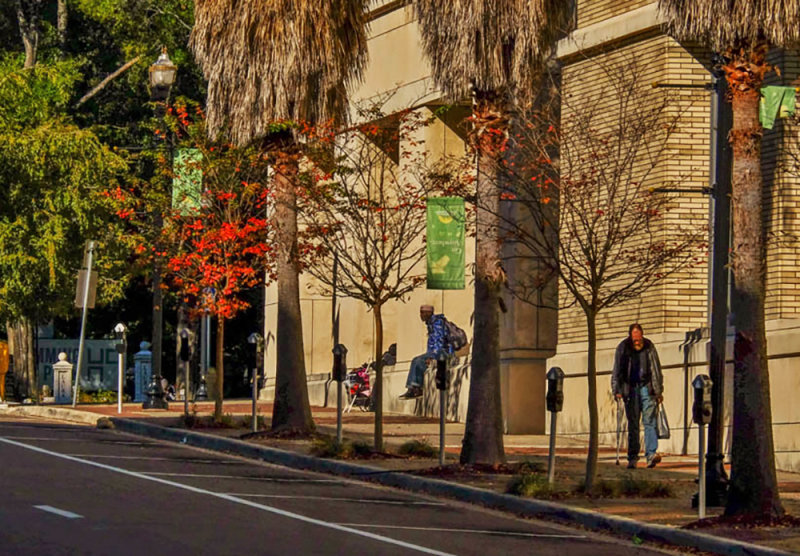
(77, 490)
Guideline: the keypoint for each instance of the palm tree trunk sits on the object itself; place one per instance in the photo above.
(754, 485)
(591, 368)
(220, 377)
(483, 433)
(291, 407)
(377, 388)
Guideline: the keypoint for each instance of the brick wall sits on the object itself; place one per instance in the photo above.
(780, 156)
(681, 161)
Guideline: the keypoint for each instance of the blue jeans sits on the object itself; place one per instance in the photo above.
(416, 374)
(641, 405)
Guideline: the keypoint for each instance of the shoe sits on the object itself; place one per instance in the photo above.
(412, 393)
(632, 464)
(653, 460)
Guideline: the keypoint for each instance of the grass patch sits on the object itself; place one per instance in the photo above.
(627, 487)
(525, 467)
(531, 485)
(261, 423)
(417, 448)
(329, 447)
(361, 449)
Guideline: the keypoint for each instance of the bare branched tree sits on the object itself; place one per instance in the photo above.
(582, 201)
(365, 221)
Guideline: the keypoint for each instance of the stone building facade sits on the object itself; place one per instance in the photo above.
(533, 340)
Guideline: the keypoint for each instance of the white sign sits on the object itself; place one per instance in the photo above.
(100, 369)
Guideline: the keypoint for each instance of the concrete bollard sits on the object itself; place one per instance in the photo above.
(62, 379)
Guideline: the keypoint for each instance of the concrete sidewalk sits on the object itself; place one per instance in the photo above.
(664, 516)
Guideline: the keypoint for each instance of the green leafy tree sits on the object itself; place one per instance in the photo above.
(51, 173)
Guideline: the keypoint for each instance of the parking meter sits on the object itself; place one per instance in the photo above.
(555, 389)
(119, 333)
(441, 370)
(339, 362)
(701, 410)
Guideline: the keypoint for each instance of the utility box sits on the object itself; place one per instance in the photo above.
(142, 371)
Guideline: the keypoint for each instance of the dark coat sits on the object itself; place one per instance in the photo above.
(650, 368)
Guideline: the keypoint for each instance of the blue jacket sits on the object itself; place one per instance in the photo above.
(437, 336)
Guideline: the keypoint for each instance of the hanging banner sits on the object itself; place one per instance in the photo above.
(188, 181)
(445, 243)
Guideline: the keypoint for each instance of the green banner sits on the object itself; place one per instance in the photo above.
(187, 183)
(445, 243)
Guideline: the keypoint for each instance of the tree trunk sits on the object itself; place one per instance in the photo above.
(24, 357)
(28, 19)
(377, 388)
(291, 408)
(754, 485)
(220, 376)
(591, 368)
(483, 433)
(62, 17)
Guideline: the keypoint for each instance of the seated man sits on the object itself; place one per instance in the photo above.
(437, 340)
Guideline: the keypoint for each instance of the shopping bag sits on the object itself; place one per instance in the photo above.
(662, 423)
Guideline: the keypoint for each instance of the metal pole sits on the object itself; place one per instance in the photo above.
(255, 395)
(551, 460)
(86, 282)
(701, 479)
(186, 388)
(203, 340)
(120, 378)
(721, 118)
(442, 411)
(339, 411)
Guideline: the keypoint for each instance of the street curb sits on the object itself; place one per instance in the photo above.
(56, 413)
(526, 507)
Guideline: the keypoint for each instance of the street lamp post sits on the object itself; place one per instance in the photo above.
(162, 76)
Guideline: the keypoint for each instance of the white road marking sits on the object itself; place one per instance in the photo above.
(335, 499)
(474, 531)
(120, 442)
(152, 458)
(290, 515)
(62, 513)
(268, 479)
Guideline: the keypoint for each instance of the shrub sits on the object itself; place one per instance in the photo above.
(417, 448)
(361, 449)
(330, 447)
(628, 487)
(531, 485)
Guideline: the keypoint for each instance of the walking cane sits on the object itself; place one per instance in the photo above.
(619, 426)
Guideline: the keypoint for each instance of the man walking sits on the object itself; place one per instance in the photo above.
(437, 340)
(637, 379)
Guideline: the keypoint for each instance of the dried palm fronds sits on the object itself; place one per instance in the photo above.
(490, 44)
(268, 60)
(725, 23)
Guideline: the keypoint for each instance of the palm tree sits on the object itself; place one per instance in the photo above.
(493, 51)
(280, 60)
(743, 32)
